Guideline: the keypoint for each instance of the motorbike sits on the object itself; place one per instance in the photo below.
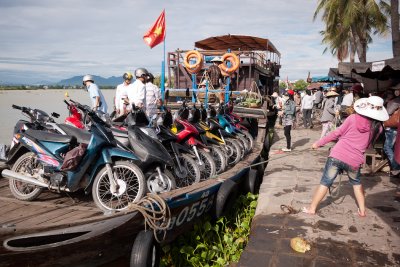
(95, 164)
(154, 159)
(188, 134)
(216, 144)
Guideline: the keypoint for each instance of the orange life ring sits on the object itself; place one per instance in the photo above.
(195, 67)
(233, 59)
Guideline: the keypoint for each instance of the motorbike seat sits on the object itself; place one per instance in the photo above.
(49, 137)
(119, 133)
(82, 136)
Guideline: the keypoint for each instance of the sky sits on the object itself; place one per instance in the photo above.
(47, 40)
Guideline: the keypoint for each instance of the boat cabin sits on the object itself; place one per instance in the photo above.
(259, 63)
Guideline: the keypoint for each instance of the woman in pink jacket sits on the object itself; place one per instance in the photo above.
(353, 137)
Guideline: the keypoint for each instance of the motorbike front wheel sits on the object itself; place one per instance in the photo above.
(209, 169)
(234, 151)
(219, 158)
(156, 185)
(190, 170)
(26, 164)
(131, 187)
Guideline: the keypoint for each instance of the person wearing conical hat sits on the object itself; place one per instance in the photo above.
(328, 113)
(353, 137)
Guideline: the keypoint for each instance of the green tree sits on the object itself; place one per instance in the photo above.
(300, 85)
(391, 10)
(349, 26)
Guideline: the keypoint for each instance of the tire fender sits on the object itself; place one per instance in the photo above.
(226, 196)
(145, 250)
(252, 182)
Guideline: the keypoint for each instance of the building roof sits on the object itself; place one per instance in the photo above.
(237, 42)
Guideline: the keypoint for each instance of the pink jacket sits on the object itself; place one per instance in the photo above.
(353, 139)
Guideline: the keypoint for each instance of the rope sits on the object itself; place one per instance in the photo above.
(156, 213)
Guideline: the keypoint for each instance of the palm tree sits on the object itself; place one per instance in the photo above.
(391, 10)
(349, 25)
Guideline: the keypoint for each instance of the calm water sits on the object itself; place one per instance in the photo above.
(46, 100)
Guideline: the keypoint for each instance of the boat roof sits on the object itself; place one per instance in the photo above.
(236, 42)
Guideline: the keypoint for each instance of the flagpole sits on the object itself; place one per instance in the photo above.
(163, 75)
(163, 70)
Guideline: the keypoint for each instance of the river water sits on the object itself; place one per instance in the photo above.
(46, 100)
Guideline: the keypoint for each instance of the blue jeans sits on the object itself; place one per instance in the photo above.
(390, 138)
(333, 167)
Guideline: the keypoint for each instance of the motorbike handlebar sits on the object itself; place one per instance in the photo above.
(66, 102)
(16, 107)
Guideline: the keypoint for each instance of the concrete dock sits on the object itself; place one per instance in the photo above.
(336, 234)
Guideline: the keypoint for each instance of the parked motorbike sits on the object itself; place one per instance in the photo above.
(154, 159)
(38, 159)
(188, 134)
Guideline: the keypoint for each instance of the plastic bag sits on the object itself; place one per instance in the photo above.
(73, 158)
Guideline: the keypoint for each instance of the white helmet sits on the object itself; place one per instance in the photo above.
(140, 72)
(87, 77)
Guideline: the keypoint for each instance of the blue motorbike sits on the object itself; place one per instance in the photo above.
(91, 161)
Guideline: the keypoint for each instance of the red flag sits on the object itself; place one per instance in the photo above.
(156, 34)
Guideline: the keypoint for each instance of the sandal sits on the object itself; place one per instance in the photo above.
(306, 211)
(361, 215)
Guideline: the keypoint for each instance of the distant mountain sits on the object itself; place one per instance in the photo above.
(101, 81)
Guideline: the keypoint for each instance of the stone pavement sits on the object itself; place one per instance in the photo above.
(337, 235)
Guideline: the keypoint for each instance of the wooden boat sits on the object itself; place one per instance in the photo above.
(68, 230)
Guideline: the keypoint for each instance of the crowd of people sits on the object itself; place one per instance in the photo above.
(351, 119)
(141, 93)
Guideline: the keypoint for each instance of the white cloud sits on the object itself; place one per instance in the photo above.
(48, 39)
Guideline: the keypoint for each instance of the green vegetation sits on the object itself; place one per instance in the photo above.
(300, 85)
(214, 243)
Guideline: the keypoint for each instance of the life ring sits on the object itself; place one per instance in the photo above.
(252, 182)
(145, 250)
(193, 67)
(226, 196)
(233, 60)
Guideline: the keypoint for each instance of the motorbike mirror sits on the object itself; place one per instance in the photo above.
(55, 115)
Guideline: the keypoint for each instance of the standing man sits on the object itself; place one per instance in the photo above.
(121, 94)
(137, 94)
(97, 98)
(307, 104)
(153, 96)
(215, 73)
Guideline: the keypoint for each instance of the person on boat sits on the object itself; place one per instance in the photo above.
(328, 113)
(153, 96)
(96, 97)
(214, 73)
(121, 94)
(289, 112)
(353, 137)
(137, 94)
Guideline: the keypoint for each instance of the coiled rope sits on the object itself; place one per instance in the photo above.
(156, 213)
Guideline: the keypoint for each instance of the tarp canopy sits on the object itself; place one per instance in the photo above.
(381, 70)
(237, 42)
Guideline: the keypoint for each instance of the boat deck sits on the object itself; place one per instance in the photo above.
(48, 211)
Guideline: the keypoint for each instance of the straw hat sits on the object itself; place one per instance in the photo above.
(371, 107)
(216, 59)
(333, 88)
(331, 93)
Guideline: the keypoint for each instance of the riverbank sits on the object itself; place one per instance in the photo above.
(337, 235)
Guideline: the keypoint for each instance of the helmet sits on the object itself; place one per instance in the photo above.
(87, 77)
(140, 72)
(127, 76)
(150, 76)
(290, 92)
